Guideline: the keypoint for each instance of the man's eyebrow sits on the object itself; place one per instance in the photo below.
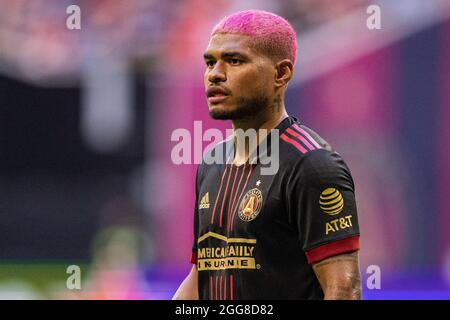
(233, 54)
(208, 56)
(225, 55)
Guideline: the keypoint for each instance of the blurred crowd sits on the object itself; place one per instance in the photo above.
(35, 43)
(86, 118)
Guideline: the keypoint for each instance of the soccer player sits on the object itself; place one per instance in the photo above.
(290, 235)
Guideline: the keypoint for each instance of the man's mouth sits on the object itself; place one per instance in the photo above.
(216, 95)
(217, 98)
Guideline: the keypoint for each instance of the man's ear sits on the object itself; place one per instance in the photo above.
(284, 70)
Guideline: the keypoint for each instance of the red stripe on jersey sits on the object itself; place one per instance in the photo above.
(194, 257)
(225, 288)
(307, 135)
(234, 197)
(224, 196)
(294, 143)
(301, 138)
(218, 193)
(231, 287)
(243, 188)
(331, 249)
(231, 196)
(217, 278)
(220, 289)
(211, 297)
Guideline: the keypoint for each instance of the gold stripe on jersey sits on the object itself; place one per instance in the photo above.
(223, 238)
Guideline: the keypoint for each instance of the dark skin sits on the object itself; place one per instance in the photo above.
(246, 74)
(339, 277)
(233, 63)
(255, 86)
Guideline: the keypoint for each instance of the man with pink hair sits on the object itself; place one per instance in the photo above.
(293, 234)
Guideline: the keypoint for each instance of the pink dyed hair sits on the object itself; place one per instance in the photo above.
(272, 33)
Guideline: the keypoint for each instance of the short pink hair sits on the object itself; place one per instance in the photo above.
(273, 34)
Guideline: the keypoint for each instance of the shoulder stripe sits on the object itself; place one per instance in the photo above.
(301, 138)
(307, 135)
(294, 143)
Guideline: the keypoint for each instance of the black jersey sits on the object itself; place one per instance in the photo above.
(256, 236)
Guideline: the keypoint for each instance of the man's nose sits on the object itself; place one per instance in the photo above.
(217, 74)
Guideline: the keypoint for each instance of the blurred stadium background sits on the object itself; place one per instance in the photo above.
(86, 117)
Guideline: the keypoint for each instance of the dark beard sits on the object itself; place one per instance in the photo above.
(247, 108)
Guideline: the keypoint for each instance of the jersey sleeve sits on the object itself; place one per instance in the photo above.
(323, 206)
(196, 218)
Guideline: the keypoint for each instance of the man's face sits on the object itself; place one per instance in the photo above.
(239, 80)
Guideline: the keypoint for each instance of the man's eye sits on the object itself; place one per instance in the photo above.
(209, 63)
(235, 62)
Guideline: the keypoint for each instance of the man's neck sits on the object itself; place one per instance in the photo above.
(262, 125)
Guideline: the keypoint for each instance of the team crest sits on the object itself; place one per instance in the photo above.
(250, 205)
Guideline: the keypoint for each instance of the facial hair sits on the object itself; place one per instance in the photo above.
(247, 108)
